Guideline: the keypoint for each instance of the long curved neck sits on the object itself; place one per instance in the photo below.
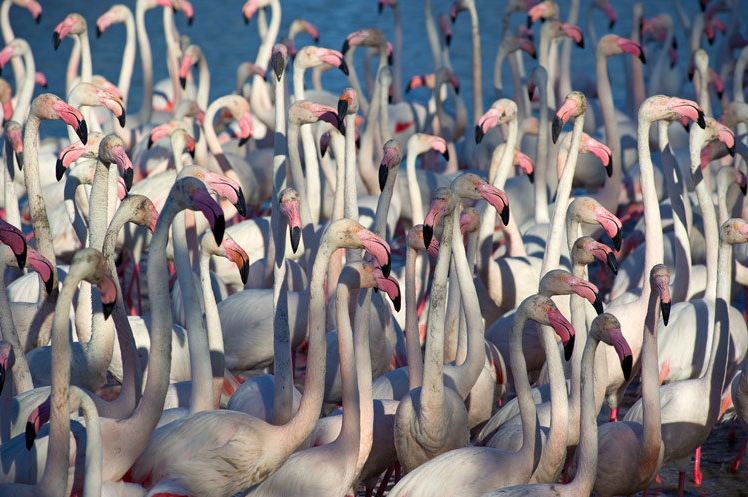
(637, 74)
(283, 378)
(200, 363)
(661, 67)
(128, 58)
(608, 197)
(432, 391)
(307, 226)
(8, 36)
(737, 81)
(86, 66)
(522, 385)
(363, 102)
(146, 59)
(397, 57)
(38, 209)
(365, 153)
(477, 82)
(304, 420)
(652, 221)
(431, 33)
(83, 169)
(12, 212)
(414, 191)
(141, 424)
(544, 57)
(412, 338)
(351, 194)
(564, 80)
(172, 49)
(132, 377)
(498, 85)
(711, 230)
(557, 435)
(541, 159)
(650, 382)
(553, 247)
(203, 90)
(587, 467)
(213, 323)
(349, 436)
(56, 469)
(27, 89)
(466, 374)
(682, 245)
(263, 54)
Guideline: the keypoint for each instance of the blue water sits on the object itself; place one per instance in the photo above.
(220, 31)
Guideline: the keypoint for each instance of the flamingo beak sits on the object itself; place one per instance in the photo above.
(612, 262)
(377, 247)
(563, 329)
(291, 209)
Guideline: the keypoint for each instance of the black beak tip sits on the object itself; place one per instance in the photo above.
(59, 170)
(150, 142)
(531, 176)
(665, 311)
(345, 48)
(609, 167)
(38, 19)
(428, 234)
(182, 82)
(743, 189)
(128, 178)
(56, 40)
(612, 263)
(556, 128)
(449, 39)
(344, 67)
(479, 134)
(2, 378)
(611, 23)
(598, 305)
(719, 95)
(396, 303)
(108, 308)
(295, 238)
(246, 21)
(386, 268)
(48, 284)
(505, 215)
(243, 141)
(122, 119)
(30, 435)
(244, 272)
(379, 8)
(569, 348)
(82, 132)
(731, 151)
(383, 170)
(189, 20)
(241, 204)
(19, 158)
(626, 365)
(98, 32)
(642, 57)
(218, 228)
(701, 122)
(580, 43)
(445, 154)
(529, 21)
(389, 60)
(21, 258)
(618, 240)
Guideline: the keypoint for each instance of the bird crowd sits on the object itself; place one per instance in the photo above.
(217, 311)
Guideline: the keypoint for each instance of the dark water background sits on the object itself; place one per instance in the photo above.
(220, 31)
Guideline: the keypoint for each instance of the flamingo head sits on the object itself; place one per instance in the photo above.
(289, 201)
(13, 238)
(391, 158)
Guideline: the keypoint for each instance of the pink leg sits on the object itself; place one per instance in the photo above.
(681, 483)
(613, 414)
(736, 463)
(697, 477)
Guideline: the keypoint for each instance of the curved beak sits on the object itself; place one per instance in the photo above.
(291, 210)
(564, 330)
(238, 256)
(377, 247)
(212, 212)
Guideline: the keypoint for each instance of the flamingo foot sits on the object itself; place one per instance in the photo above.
(613, 414)
(681, 482)
(736, 463)
(657, 479)
(697, 476)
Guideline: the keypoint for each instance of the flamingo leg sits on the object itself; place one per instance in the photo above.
(384, 481)
(613, 414)
(681, 482)
(697, 476)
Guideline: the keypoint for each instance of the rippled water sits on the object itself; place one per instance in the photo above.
(220, 31)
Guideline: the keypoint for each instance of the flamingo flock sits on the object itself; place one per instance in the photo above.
(218, 311)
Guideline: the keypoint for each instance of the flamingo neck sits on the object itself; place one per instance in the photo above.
(27, 87)
(477, 82)
(146, 59)
(681, 289)
(172, 50)
(553, 247)
(652, 221)
(349, 436)
(711, 230)
(587, 466)
(652, 436)
(431, 33)
(611, 191)
(412, 338)
(564, 81)
(527, 410)
(213, 324)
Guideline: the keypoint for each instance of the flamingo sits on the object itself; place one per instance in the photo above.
(605, 328)
(476, 470)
